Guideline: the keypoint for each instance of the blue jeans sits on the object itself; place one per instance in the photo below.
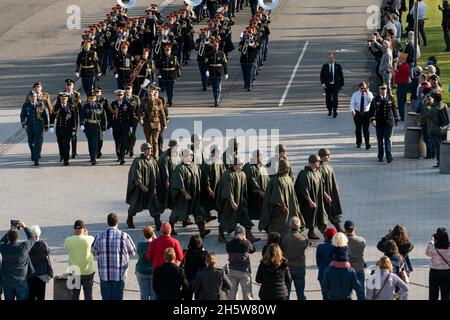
(361, 294)
(202, 67)
(168, 85)
(145, 282)
(216, 84)
(112, 290)
(298, 276)
(402, 91)
(384, 134)
(247, 72)
(87, 282)
(15, 290)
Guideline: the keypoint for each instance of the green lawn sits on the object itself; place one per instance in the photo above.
(436, 44)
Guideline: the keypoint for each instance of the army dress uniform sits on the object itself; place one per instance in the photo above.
(169, 71)
(202, 51)
(34, 117)
(147, 72)
(88, 67)
(65, 118)
(120, 119)
(154, 121)
(215, 62)
(94, 121)
(105, 106)
(123, 68)
(134, 103)
(384, 112)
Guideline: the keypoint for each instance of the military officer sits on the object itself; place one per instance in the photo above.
(169, 71)
(43, 96)
(123, 65)
(34, 120)
(215, 62)
(134, 103)
(152, 118)
(384, 115)
(104, 102)
(87, 67)
(65, 116)
(249, 49)
(120, 119)
(75, 100)
(92, 121)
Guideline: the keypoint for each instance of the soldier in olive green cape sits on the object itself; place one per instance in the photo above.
(257, 181)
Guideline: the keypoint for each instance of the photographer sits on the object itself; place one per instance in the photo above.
(439, 251)
(16, 262)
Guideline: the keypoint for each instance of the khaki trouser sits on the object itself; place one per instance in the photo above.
(152, 136)
(245, 280)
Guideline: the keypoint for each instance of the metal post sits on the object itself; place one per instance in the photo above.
(416, 32)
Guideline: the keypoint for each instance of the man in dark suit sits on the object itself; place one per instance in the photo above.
(332, 80)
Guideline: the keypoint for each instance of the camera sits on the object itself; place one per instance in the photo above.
(15, 224)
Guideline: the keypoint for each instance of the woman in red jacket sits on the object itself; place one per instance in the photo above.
(403, 79)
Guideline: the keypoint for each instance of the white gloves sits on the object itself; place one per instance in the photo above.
(226, 77)
(116, 76)
(99, 74)
(110, 130)
(159, 76)
(207, 73)
(77, 74)
(131, 129)
(82, 128)
(52, 130)
(324, 86)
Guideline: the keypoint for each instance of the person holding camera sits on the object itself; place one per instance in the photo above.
(439, 251)
(436, 112)
(16, 263)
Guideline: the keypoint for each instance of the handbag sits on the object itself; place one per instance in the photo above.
(375, 296)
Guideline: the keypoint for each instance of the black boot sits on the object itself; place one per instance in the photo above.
(221, 237)
(174, 233)
(203, 231)
(158, 223)
(130, 223)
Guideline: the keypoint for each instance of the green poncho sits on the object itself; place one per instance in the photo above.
(257, 180)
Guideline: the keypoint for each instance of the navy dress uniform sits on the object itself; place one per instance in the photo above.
(34, 119)
(384, 117)
(120, 119)
(134, 103)
(104, 102)
(74, 99)
(87, 67)
(216, 61)
(92, 120)
(169, 71)
(65, 117)
(123, 66)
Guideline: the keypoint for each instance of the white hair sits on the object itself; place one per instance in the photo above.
(36, 230)
(339, 240)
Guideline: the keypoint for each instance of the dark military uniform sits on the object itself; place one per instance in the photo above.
(88, 66)
(105, 106)
(66, 122)
(93, 119)
(147, 72)
(202, 51)
(34, 116)
(75, 101)
(120, 119)
(169, 71)
(123, 67)
(215, 61)
(385, 113)
(134, 102)
(154, 121)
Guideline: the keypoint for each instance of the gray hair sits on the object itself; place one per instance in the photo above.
(294, 223)
(36, 230)
(339, 240)
(239, 231)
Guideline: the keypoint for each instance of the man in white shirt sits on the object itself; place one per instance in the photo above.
(421, 14)
(359, 107)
